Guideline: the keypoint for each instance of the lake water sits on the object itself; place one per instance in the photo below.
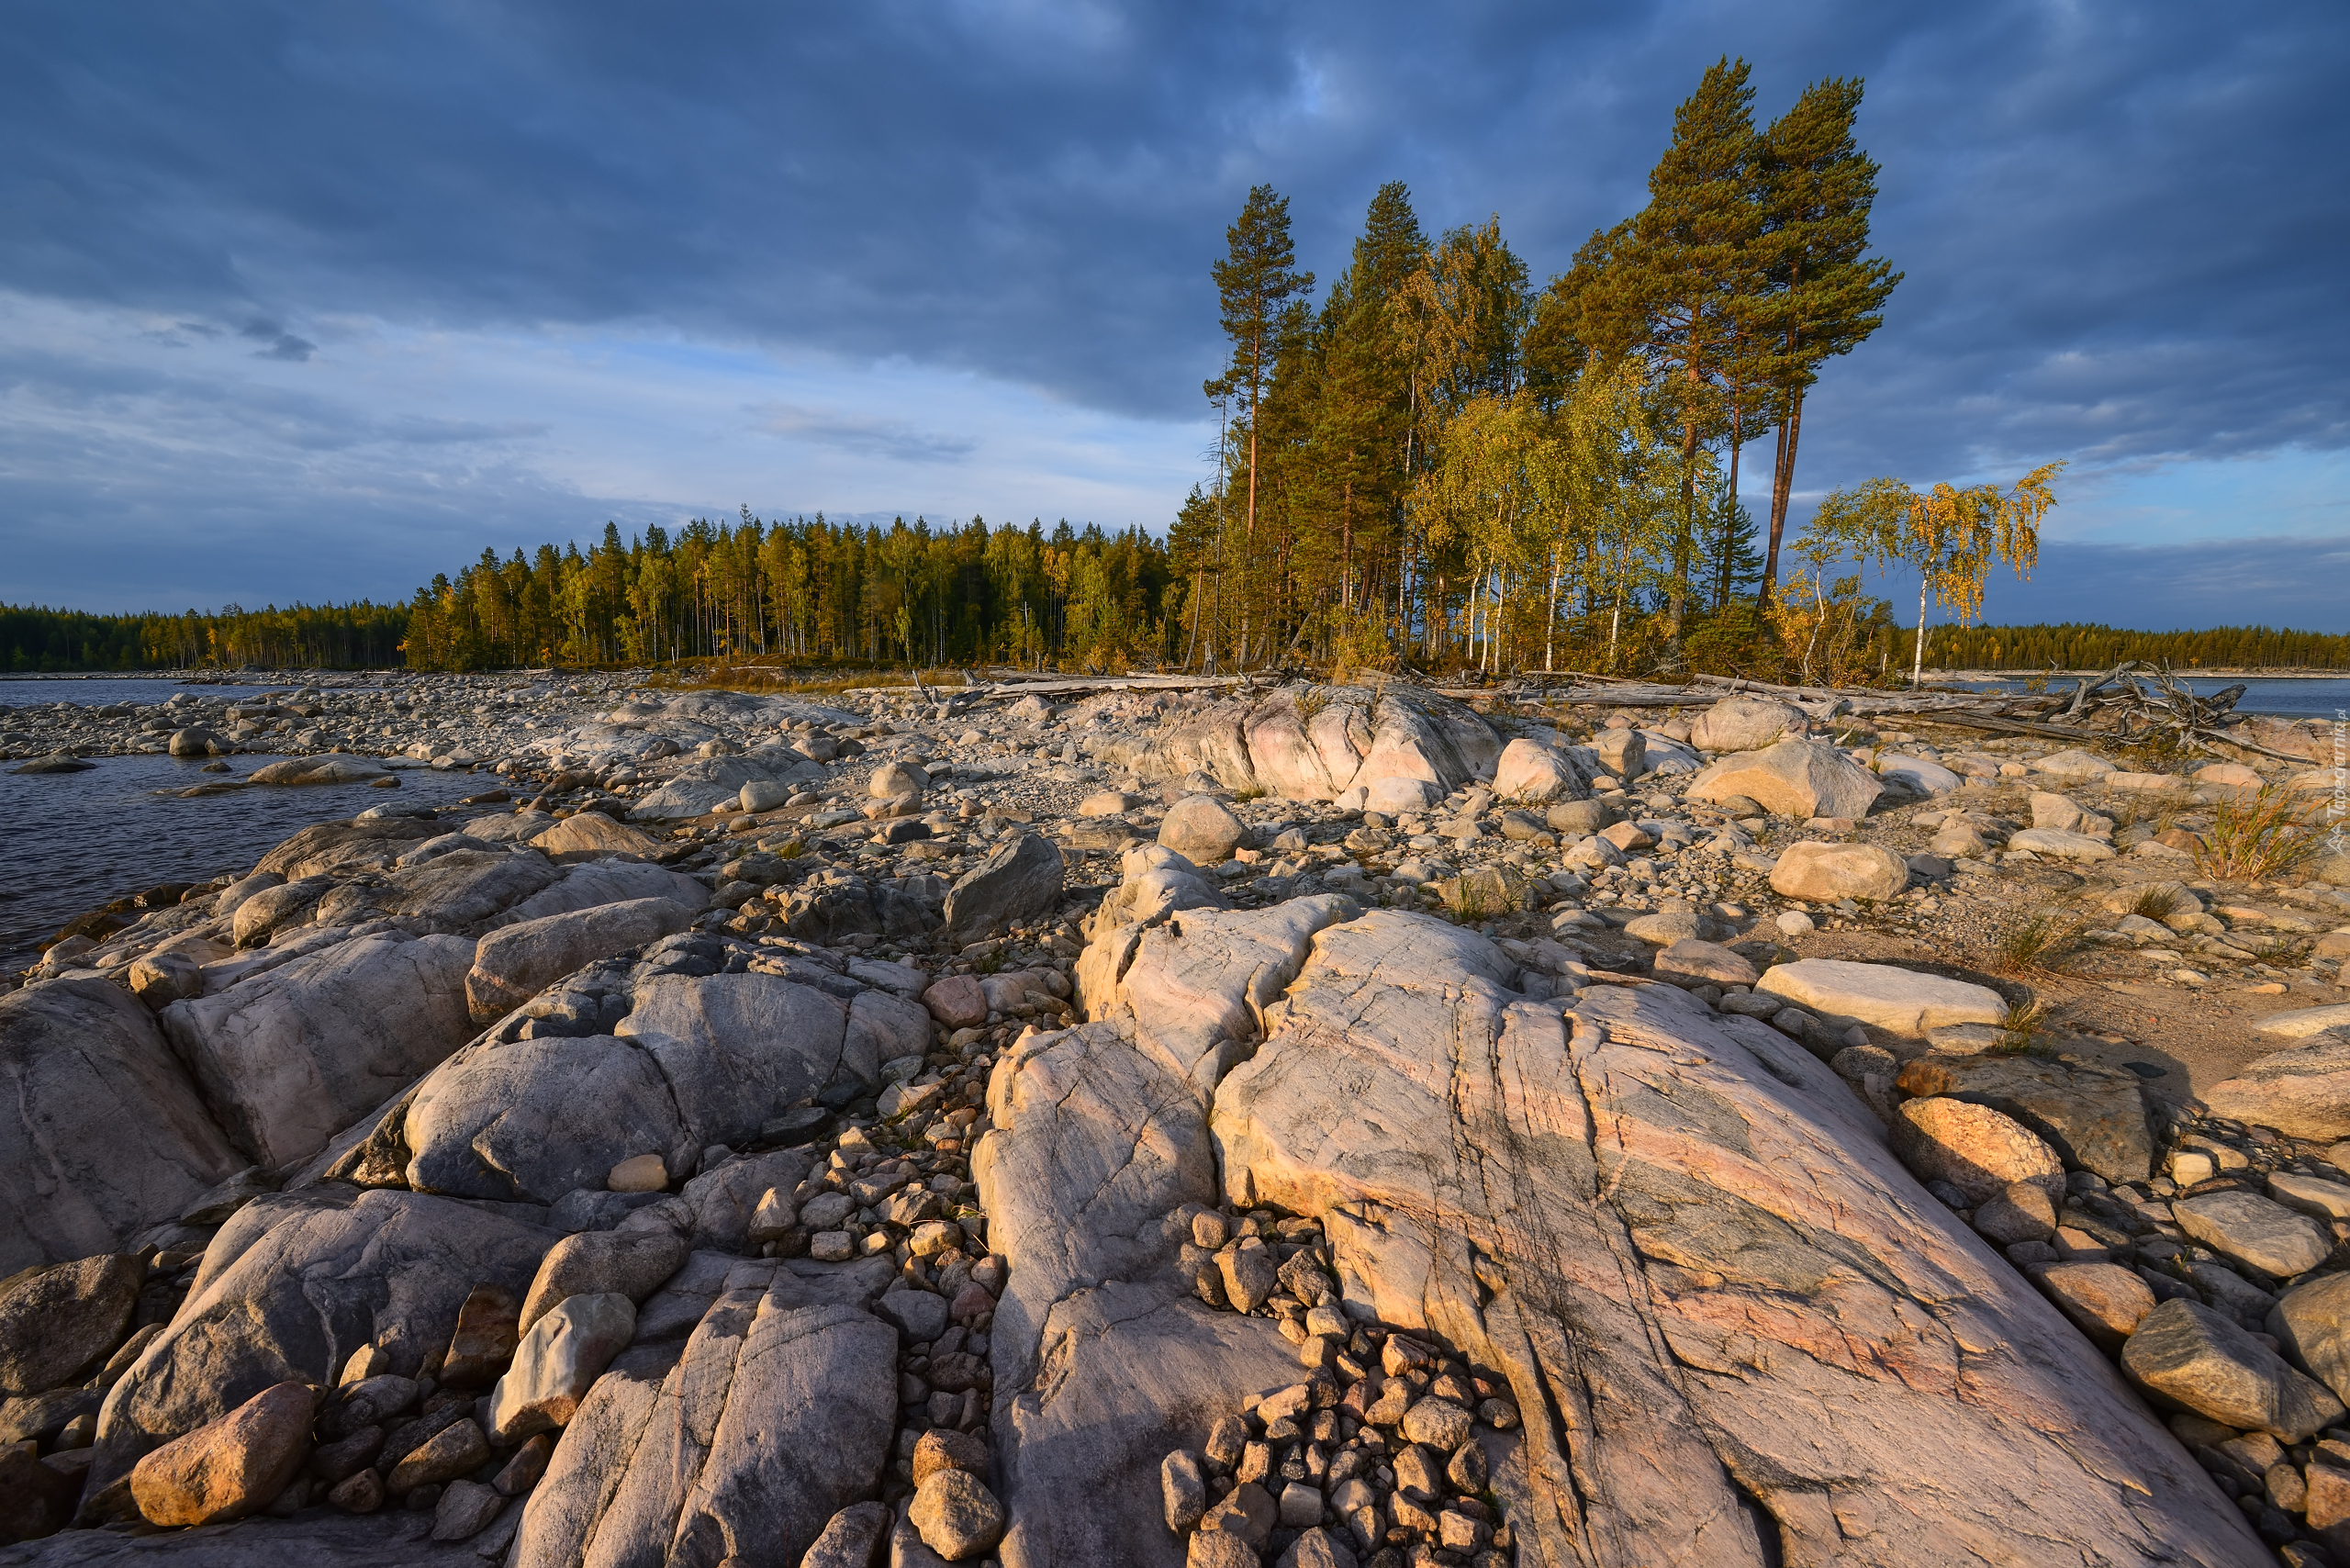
(2315, 698)
(72, 842)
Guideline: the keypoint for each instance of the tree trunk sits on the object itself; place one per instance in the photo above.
(1783, 478)
(1917, 668)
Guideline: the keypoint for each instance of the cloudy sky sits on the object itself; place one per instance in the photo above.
(304, 300)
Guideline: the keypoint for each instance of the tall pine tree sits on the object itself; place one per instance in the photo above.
(1826, 293)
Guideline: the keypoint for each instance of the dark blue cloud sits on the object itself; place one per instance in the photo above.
(2121, 222)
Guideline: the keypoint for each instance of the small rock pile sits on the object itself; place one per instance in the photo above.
(1377, 1452)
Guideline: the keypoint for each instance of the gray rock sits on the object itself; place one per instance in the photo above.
(920, 1315)
(1718, 1165)
(291, 1057)
(315, 1537)
(605, 882)
(535, 1119)
(778, 1418)
(513, 963)
(85, 1065)
(852, 1537)
(958, 1516)
(2094, 1118)
(557, 1361)
(1018, 882)
(631, 1263)
(2191, 1356)
(2312, 1323)
(272, 908)
(1203, 830)
(291, 1286)
(459, 893)
(737, 1050)
(59, 1320)
(344, 848)
(2303, 1091)
(1096, 1144)
(2252, 1229)
(1182, 1489)
(465, 1510)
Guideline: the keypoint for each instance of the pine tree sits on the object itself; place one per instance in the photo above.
(1692, 261)
(1826, 295)
(1255, 283)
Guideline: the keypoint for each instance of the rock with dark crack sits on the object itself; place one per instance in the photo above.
(294, 1285)
(778, 1416)
(2094, 1117)
(1736, 1318)
(1315, 743)
(292, 1056)
(1103, 1360)
(535, 1119)
(84, 1064)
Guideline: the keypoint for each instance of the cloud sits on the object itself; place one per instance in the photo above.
(278, 342)
(863, 435)
(2120, 242)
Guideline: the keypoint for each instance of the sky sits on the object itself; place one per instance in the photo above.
(309, 301)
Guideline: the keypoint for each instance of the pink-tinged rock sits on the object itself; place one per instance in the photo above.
(230, 1467)
(1973, 1147)
(959, 1001)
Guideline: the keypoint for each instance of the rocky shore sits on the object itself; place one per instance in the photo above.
(1130, 1123)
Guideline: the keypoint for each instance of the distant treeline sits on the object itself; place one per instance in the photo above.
(302, 637)
(2075, 645)
(808, 588)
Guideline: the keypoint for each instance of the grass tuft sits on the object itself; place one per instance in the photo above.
(2045, 943)
(2153, 902)
(2020, 1032)
(2251, 840)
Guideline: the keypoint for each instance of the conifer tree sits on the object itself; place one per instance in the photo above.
(1826, 295)
(1692, 263)
(1255, 283)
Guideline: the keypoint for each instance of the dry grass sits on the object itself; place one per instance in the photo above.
(2045, 943)
(2250, 840)
(2021, 1032)
(2153, 902)
(2284, 952)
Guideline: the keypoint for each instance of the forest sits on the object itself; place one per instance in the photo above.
(1437, 466)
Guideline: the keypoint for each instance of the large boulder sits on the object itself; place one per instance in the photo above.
(602, 882)
(235, 1466)
(2303, 1091)
(535, 1119)
(2301, 1022)
(291, 1287)
(1746, 724)
(2312, 1321)
(2094, 1116)
(1018, 882)
(592, 833)
(2188, 1355)
(1680, 1217)
(292, 1056)
(1202, 829)
(739, 1050)
(1317, 743)
(698, 789)
(1974, 1149)
(1901, 1002)
(513, 963)
(103, 1133)
(1793, 779)
(1820, 872)
(778, 1416)
(460, 892)
(2252, 1230)
(1103, 1360)
(55, 1322)
(1198, 986)
(1528, 771)
(334, 768)
(345, 848)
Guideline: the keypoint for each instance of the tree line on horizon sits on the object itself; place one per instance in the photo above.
(1439, 466)
(37, 640)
